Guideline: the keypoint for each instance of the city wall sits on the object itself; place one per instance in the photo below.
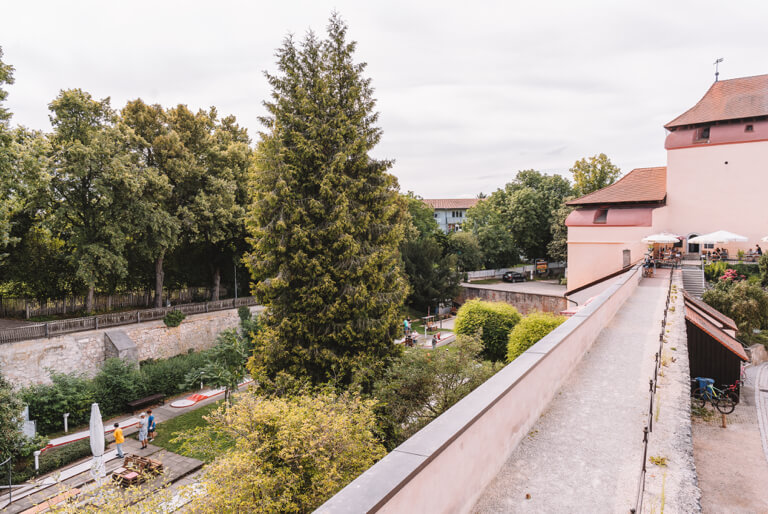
(523, 302)
(28, 362)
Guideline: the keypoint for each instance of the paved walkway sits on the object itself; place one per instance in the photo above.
(584, 453)
(176, 467)
(731, 465)
(548, 287)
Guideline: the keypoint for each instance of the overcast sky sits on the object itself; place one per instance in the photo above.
(469, 92)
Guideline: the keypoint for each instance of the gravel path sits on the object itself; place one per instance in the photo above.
(584, 453)
(730, 462)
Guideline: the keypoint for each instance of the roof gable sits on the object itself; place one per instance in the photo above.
(641, 185)
(451, 203)
(716, 333)
(710, 311)
(745, 97)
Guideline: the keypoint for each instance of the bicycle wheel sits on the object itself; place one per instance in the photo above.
(699, 398)
(724, 404)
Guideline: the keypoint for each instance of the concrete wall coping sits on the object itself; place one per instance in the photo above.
(371, 490)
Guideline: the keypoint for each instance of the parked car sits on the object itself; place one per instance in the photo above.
(513, 276)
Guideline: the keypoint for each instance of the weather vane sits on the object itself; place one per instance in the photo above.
(717, 71)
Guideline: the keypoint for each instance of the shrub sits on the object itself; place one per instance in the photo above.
(52, 459)
(743, 301)
(494, 320)
(167, 375)
(117, 383)
(714, 270)
(71, 393)
(244, 312)
(530, 330)
(174, 318)
(763, 266)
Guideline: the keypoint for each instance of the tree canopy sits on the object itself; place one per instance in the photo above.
(326, 220)
(593, 173)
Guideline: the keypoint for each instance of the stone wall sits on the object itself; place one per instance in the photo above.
(29, 362)
(523, 302)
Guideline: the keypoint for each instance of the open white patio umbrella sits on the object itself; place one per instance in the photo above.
(661, 238)
(98, 471)
(765, 239)
(721, 236)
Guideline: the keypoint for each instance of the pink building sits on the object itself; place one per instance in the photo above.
(716, 178)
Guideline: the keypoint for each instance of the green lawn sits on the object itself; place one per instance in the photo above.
(167, 430)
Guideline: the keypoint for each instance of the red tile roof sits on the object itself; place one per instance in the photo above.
(716, 333)
(733, 99)
(710, 311)
(641, 185)
(451, 203)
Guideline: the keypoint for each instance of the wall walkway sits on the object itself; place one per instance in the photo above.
(447, 465)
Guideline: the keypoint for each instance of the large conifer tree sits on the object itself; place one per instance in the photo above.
(326, 219)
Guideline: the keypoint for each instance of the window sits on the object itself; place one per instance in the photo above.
(435, 215)
(702, 135)
(601, 216)
(749, 128)
(457, 214)
(709, 245)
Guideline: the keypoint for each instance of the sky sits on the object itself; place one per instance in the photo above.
(468, 92)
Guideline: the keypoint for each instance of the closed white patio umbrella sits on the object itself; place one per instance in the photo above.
(98, 471)
(721, 236)
(661, 238)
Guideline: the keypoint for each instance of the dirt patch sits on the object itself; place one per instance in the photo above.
(731, 465)
(12, 323)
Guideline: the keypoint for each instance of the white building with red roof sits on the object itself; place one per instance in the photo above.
(450, 213)
(716, 178)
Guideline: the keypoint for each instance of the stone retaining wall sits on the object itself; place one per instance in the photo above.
(28, 362)
(523, 302)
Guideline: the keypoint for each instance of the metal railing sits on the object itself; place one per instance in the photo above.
(66, 326)
(23, 307)
(648, 428)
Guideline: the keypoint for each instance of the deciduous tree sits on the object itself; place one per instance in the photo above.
(593, 173)
(93, 184)
(286, 454)
(326, 221)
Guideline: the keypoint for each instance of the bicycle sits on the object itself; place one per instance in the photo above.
(724, 400)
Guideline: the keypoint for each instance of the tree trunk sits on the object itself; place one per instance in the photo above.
(159, 275)
(216, 283)
(89, 300)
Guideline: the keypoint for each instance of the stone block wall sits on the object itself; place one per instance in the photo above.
(523, 302)
(28, 362)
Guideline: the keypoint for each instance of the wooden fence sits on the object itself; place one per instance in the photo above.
(66, 326)
(29, 307)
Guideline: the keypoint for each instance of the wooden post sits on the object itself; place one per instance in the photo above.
(724, 425)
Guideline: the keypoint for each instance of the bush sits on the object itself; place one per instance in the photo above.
(174, 318)
(529, 331)
(745, 302)
(244, 312)
(762, 264)
(494, 320)
(117, 383)
(51, 460)
(68, 393)
(167, 375)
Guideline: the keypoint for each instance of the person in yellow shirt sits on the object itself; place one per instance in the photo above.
(119, 440)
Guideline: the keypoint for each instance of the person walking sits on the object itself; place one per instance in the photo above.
(119, 440)
(143, 426)
(151, 425)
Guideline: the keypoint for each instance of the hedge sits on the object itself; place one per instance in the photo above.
(494, 320)
(116, 384)
(51, 460)
(529, 331)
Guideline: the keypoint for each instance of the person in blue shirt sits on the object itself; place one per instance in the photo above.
(151, 425)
